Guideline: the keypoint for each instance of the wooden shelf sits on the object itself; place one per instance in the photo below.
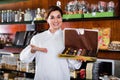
(12, 49)
(92, 19)
(64, 20)
(28, 74)
(107, 54)
(8, 70)
(23, 22)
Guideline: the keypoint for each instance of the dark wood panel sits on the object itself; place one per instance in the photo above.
(41, 3)
(109, 55)
(116, 30)
(73, 24)
(32, 4)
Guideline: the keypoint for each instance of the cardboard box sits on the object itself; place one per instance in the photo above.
(104, 35)
(80, 44)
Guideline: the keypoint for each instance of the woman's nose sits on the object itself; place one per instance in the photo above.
(56, 19)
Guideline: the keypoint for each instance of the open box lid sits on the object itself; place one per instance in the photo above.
(79, 38)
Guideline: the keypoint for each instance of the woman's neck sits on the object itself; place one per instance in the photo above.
(53, 30)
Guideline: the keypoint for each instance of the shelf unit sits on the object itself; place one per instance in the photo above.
(12, 49)
(64, 20)
(105, 54)
(18, 73)
(108, 54)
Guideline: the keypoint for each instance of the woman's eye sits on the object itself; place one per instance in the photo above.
(52, 17)
(58, 16)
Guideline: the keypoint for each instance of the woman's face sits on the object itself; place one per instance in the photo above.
(55, 20)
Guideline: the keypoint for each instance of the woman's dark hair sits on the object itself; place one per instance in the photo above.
(53, 8)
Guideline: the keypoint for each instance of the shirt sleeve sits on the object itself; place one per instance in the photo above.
(26, 55)
(74, 64)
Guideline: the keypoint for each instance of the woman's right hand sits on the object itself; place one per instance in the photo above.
(35, 48)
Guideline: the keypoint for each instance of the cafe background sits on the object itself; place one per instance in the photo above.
(10, 28)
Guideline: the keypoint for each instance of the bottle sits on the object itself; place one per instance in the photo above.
(38, 14)
(8, 15)
(27, 15)
(12, 16)
(16, 16)
(2, 12)
(79, 52)
(19, 15)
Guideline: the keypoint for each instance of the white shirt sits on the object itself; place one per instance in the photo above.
(48, 65)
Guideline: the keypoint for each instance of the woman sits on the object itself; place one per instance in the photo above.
(46, 46)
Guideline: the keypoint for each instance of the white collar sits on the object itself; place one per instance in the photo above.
(57, 32)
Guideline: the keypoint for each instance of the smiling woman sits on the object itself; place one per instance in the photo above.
(46, 46)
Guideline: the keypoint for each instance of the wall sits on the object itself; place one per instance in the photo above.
(33, 4)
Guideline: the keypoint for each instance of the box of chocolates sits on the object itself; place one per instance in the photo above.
(80, 43)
